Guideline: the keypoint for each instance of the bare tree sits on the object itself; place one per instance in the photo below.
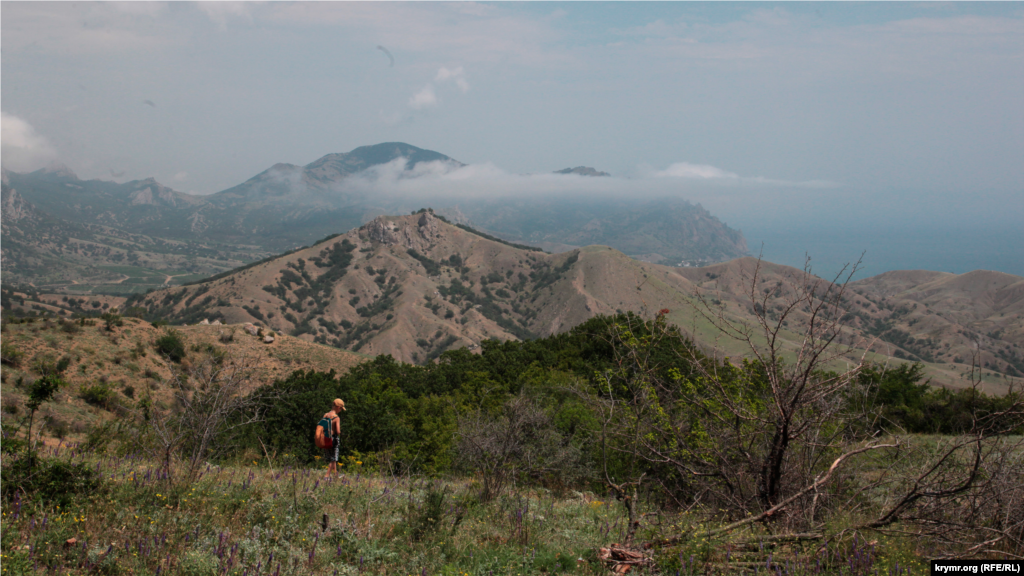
(786, 413)
(780, 438)
(522, 439)
(214, 396)
(962, 493)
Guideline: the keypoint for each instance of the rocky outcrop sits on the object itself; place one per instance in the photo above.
(14, 207)
(149, 192)
(428, 226)
(381, 230)
(417, 234)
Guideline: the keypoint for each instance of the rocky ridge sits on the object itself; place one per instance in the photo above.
(414, 286)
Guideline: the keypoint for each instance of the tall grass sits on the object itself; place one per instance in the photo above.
(252, 518)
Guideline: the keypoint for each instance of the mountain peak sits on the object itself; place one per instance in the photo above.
(56, 169)
(582, 171)
(363, 157)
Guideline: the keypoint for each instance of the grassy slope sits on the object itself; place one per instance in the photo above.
(263, 516)
(98, 355)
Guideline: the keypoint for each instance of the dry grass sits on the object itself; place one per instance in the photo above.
(126, 360)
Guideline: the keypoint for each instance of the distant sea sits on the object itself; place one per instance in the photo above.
(905, 247)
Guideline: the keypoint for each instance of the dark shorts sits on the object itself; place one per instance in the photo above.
(331, 454)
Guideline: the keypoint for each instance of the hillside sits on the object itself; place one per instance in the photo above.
(945, 317)
(124, 365)
(920, 316)
(414, 286)
(46, 249)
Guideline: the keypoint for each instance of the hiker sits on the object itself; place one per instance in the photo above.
(331, 453)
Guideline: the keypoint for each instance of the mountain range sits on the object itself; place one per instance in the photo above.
(295, 249)
(167, 233)
(414, 286)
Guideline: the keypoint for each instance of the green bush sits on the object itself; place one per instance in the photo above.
(430, 518)
(171, 346)
(49, 481)
(47, 364)
(9, 354)
(100, 394)
(11, 444)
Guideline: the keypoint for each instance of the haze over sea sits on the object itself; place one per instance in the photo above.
(885, 248)
(896, 231)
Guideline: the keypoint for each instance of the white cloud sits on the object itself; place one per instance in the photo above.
(441, 181)
(712, 174)
(22, 148)
(425, 98)
(180, 176)
(456, 75)
(687, 170)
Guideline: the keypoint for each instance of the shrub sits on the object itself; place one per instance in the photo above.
(70, 327)
(46, 364)
(171, 346)
(431, 518)
(50, 481)
(100, 394)
(112, 320)
(58, 427)
(522, 440)
(11, 445)
(9, 354)
(139, 351)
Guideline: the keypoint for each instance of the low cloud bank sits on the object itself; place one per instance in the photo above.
(22, 149)
(448, 181)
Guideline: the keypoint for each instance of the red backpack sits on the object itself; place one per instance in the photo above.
(322, 436)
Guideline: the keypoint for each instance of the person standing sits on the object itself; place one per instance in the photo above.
(331, 453)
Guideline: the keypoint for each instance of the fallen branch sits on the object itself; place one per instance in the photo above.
(781, 505)
(620, 560)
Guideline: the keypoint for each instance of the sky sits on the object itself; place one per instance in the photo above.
(887, 124)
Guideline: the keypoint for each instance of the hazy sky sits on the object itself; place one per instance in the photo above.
(819, 109)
